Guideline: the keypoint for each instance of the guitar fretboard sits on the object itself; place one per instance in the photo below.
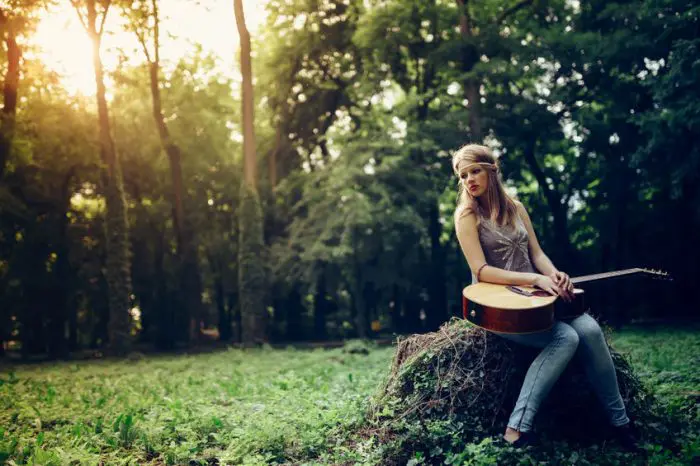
(602, 276)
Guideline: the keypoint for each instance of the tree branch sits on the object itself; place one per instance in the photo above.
(104, 18)
(156, 33)
(518, 6)
(80, 15)
(142, 41)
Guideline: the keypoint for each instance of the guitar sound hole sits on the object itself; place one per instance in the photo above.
(540, 293)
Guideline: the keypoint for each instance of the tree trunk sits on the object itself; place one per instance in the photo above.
(9, 110)
(620, 183)
(191, 282)
(250, 166)
(117, 243)
(320, 307)
(163, 302)
(62, 282)
(186, 243)
(357, 292)
(34, 280)
(145, 284)
(251, 276)
(99, 305)
(360, 308)
(251, 269)
(410, 312)
(73, 326)
(223, 309)
(294, 310)
(7, 118)
(224, 313)
(234, 308)
(474, 98)
(371, 298)
(272, 158)
(437, 291)
(394, 314)
(471, 85)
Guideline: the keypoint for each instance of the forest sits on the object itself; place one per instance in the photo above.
(308, 194)
(227, 226)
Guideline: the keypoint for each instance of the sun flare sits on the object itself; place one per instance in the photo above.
(64, 47)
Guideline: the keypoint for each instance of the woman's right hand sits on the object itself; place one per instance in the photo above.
(545, 283)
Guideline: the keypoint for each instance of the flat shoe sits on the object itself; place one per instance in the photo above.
(628, 436)
(525, 439)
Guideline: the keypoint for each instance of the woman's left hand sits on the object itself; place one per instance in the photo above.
(563, 281)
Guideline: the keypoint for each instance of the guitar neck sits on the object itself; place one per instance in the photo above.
(603, 276)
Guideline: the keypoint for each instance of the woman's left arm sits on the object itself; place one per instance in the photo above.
(540, 260)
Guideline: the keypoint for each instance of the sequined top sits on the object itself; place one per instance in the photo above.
(504, 247)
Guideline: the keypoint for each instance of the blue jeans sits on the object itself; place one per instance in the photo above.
(582, 337)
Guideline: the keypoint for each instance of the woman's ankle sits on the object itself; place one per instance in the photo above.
(511, 435)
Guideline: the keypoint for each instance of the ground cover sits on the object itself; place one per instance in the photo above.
(239, 406)
(273, 406)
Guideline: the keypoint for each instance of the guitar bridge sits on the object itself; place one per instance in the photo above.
(522, 292)
(519, 291)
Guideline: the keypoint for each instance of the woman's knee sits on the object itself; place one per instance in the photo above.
(567, 336)
(587, 328)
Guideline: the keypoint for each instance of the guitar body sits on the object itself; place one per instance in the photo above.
(564, 310)
(525, 309)
(500, 308)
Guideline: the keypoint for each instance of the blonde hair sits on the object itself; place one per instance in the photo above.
(503, 208)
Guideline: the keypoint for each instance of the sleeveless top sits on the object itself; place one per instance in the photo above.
(504, 247)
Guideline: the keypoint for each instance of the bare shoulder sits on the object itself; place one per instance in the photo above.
(520, 208)
(465, 218)
(523, 214)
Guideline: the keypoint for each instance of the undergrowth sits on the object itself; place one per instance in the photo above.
(295, 407)
(232, 407)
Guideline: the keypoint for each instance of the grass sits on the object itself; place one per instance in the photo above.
(240, 406)
(244, 406)
(667, 360)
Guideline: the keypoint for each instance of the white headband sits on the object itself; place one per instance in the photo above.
(488, 165)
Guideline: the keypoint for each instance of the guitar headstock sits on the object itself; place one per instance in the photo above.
(658, 274)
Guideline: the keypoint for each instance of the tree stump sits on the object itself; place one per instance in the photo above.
(470, 379)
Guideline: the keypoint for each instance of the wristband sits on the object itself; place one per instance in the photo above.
(478, 272)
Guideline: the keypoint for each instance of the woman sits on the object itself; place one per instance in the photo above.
(499, 243)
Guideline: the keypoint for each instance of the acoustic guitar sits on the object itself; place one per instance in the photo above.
(527, 309)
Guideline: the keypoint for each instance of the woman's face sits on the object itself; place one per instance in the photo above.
(474, 177)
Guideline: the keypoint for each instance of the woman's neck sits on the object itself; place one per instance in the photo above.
(484, 205)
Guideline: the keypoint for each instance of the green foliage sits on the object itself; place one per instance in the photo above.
(308, 72)
(591, 106)
(307, 407)
(236, 406)
(353, 210)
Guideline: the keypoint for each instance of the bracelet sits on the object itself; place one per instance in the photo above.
(478, 272)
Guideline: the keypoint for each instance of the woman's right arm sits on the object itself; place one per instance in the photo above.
(468, 236)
